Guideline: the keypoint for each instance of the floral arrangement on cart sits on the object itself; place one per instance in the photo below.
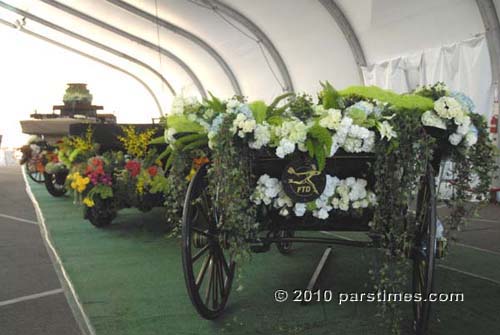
(107, 182)
(362, 159)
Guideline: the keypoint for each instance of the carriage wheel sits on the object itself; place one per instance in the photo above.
(55, 183)
(285, 248)
(424, 251)
(33, 173)
(208, 269)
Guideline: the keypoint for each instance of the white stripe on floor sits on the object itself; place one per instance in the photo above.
(15, 218)
(483, 220)
(81, 316)
(478, 249)
(31, 297)
(337, 236)
(468, 274)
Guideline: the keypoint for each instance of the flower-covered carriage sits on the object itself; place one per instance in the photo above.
(113, 167)
(362, 159)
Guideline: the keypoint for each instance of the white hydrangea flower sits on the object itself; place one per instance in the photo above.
(284, 148)
(318, 109)
(321, 214)
(448, 108)
(431, 119)
(369, 142)
(455, 138)
(470, 139)
(284, 211)
(299, 209)
(463, 120)
(243, 124)
(331, 119)
(262, 136)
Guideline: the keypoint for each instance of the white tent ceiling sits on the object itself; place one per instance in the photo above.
(310, 44)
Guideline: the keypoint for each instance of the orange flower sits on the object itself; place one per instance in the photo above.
(199, 162)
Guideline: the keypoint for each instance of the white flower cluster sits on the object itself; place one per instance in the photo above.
(339, 194)
(243, 124)
(262, 136)
(352, 138)
(290, 133)
(449, 108)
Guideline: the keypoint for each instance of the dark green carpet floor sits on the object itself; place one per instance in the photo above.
(129, 279)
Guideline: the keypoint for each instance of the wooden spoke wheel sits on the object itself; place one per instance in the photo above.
(32, 171)
(424, 252)
(285, 248)
(208, 267)
(55, 183)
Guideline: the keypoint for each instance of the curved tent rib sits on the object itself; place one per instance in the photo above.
(219, 6)
(491, 23)
(132, 37)
(346, 28)
(186, 34)
(89, 41)
(81, 53)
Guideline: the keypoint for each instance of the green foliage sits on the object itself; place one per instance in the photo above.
(183, 125)
(398, 101)
(272, 109)
(101, 191)
(319, 143)
(230, 186)
(301, 106)
(215, 104)
(329, 97)
(259, 110)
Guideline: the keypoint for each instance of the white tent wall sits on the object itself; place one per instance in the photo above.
(390, 28)
(463, 66)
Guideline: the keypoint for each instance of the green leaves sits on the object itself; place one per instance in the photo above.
(215, 104)
(329, 97)
(319, 144)
(183, 125)
(259, 110)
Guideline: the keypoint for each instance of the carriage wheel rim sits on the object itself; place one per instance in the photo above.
(424, 257)
(209, 288)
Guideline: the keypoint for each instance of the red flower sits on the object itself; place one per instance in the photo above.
(153, 170)
(133, 167)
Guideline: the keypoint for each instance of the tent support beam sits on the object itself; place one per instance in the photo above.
(222, 7)
(186, 34)
(349, 34)
(492, 27)
(139, 40)
(81, 53)
(89, 41)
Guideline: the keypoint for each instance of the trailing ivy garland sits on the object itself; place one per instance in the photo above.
(405, 133)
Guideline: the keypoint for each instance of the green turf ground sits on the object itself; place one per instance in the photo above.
(129, 280)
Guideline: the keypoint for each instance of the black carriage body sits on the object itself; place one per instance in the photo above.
(342, 165)
(106, 135)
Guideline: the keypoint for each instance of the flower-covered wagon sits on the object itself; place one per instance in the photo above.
(114, 167)
(362, 159)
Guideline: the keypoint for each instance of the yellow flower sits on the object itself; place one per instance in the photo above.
(88, 202)
(78, 182)
(191, 174)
